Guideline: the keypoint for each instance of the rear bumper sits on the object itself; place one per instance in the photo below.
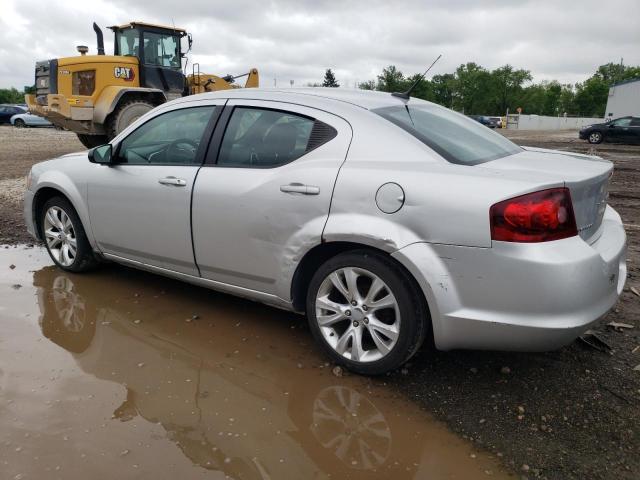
(513, 296)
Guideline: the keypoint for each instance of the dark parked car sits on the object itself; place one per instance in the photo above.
(8, 111)
(621, 130)
(491, 122)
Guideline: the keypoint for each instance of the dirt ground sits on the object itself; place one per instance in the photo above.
(574, 413)
(20, 148)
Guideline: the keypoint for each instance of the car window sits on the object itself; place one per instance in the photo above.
(263, 138)
(635, 122)
(457, 138)
(622, 122)
(172, 138)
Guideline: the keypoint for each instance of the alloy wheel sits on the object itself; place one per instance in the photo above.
(60, 236)
(70, 306)
(595, 137)
(358, 314)
(349, 425)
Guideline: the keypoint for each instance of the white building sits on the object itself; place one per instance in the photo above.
(624, 99)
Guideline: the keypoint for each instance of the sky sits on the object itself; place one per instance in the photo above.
(298, 39)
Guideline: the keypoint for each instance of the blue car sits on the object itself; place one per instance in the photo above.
(8, 111)
(27, 119)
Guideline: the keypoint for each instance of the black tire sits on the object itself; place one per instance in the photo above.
(19, 123)
(415, 321)
(85, 258)
(127, 113)
(91, 141)
(595, 138)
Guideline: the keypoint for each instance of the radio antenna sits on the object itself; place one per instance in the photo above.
(407, 94)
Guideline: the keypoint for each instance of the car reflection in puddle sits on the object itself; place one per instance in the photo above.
(236, 386)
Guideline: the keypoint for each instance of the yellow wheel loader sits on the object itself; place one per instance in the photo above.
(98, 96)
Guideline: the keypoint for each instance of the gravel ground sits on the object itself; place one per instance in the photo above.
(20, 148)
(574, 413)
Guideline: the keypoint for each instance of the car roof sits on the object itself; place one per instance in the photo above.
(366, 99)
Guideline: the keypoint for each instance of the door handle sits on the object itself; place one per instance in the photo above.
(300, 188)
(177, 182)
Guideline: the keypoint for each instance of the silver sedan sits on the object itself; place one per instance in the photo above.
(387, 221)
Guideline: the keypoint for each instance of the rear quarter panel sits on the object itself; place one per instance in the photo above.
(444, 203)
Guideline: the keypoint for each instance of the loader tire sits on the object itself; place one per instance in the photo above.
(127, 113)
(91, 141)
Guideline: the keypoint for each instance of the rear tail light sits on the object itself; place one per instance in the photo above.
(535, 217)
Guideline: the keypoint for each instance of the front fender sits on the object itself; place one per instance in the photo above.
(76, 194)
(110, 97)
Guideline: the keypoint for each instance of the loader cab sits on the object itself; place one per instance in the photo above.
(158, 50)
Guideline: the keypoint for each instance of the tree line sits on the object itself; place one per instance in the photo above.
(11, 95)
(475, 90)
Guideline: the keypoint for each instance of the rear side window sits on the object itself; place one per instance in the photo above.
(635, 122)
(262, 138)
(455, 137)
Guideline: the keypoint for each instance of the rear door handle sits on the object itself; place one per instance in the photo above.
(176, 182)
(300, 188)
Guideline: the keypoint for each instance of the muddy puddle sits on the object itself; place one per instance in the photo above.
(123, 374)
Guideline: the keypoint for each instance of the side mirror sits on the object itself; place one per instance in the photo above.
(101, 154)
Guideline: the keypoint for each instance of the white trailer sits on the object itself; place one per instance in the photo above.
(624, 100)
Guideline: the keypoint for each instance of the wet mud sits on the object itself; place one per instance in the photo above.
(123, 374)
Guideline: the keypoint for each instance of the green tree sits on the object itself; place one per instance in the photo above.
(442, 89)
(330, 79)
(591, 97)
(475, 90)
(616, 72)
(566, 102)
(508, 86)
(11, 95)
(423, 88)
(391, 80)
(368, 85)
(470, 87)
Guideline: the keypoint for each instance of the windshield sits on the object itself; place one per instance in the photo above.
(128, 42)
(457, 138)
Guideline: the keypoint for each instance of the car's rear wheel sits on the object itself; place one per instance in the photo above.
(366, 312)
(595, 137)
(19, 123)
(65, 237)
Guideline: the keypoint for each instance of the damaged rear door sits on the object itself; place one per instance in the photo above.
(264, 193)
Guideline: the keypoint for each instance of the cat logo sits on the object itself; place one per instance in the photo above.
(125, 73)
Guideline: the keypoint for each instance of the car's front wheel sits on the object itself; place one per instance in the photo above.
(366, 312)
(65, 237)
(19, 123)
(595, 137)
